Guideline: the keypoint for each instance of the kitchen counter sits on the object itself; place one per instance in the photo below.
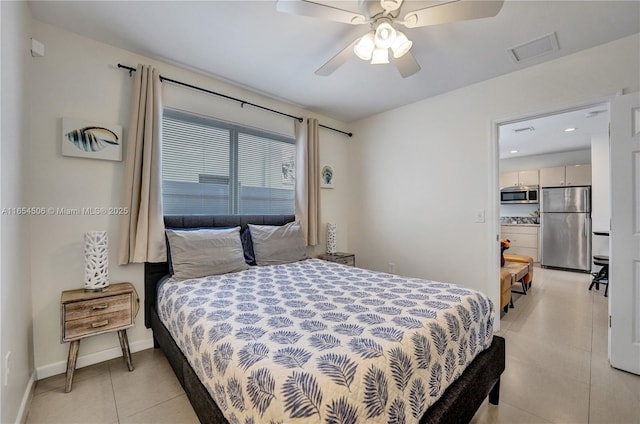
(519, 220)
(519, 225)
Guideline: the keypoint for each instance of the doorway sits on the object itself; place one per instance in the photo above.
(575, 139)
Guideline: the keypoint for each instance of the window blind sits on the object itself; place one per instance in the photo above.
(211, 167)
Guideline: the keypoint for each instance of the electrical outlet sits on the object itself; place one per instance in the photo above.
(6, 368)
(480, 216)
(391, 268)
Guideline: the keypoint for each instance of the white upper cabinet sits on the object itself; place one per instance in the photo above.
(516, 178)
(529, 178)
(560, 176)
(578, 175)
(552, 177)
(508, 179)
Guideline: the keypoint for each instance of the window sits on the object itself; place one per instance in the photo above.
(211, 167)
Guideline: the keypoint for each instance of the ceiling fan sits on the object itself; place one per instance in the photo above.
(375, 44)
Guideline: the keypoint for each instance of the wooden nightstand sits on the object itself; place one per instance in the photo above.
(88, 313)
(340, 257)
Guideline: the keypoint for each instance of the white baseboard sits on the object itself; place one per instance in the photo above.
(26, 399)
(90, 359)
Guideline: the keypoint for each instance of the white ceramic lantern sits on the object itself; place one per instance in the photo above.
(96, 260)
(331, 237)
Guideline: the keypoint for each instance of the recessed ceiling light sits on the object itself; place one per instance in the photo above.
(513, 152)
(570, 129)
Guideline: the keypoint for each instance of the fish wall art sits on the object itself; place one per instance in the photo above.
(326, 176)
(87, 139)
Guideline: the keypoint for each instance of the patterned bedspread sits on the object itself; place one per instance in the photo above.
(315, 341)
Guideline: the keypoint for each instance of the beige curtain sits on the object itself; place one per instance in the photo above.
(308, 179)
(142, 233)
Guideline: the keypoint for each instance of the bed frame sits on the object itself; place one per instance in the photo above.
(457, 404)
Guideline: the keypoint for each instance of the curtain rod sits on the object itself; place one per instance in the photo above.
(242, 102)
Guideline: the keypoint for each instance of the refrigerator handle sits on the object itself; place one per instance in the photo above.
(586, 227)
(585, 201)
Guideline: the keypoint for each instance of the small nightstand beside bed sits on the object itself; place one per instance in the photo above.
(88, 313)
(322, 341)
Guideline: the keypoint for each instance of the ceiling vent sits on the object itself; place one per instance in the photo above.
(594, 113)
(535, 48)
(519, 130)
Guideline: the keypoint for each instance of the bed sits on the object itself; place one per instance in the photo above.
(467, 388)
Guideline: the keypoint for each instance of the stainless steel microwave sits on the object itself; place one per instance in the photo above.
(520, 194)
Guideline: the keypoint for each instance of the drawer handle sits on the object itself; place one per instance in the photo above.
(100, 307)
(100, 324)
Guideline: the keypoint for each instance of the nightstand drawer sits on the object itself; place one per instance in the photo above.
(94, 307)
(347, 260)
(340, 258)
(79, 328)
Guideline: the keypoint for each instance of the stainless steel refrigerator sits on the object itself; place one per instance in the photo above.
(565, 225)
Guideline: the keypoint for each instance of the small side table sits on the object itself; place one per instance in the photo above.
(88, 313)
(340, 257)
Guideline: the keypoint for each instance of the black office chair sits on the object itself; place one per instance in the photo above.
(602, 276)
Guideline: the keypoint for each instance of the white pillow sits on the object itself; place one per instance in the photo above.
(205, 252)
(274, 245)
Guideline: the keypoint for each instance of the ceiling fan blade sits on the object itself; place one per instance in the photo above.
(317, 10)
(370, 8)
(337, 61)
(407, 65)
(450, 12)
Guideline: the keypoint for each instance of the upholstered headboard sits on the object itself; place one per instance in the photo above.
(153, 272)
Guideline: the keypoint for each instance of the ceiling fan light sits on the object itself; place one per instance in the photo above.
(380, 56)
(385, 35)
(364, 47)
(401, 45)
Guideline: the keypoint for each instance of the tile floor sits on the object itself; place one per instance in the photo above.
(557, 371)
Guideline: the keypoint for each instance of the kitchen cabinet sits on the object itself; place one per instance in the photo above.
(508, 179)
(516, 178)
(560, 176)
(524, 239)
(578, 175)
(552, 177)
(529, 178)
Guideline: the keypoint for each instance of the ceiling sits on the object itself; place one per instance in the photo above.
(250, 44)
(546, 134)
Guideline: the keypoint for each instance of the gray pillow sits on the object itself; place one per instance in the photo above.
(205, 252)
(273, 245)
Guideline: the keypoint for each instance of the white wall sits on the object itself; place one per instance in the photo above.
(549, 160)
(15, 282)
(600, 192)
(420, 172)
(78, 78)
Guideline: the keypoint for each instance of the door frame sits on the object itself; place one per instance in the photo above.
(493, 215)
